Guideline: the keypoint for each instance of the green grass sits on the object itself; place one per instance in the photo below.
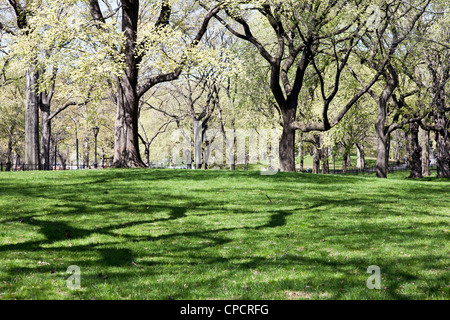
(174, 234)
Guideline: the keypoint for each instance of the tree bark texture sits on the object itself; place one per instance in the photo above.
(126, 153)
(45, 137)
(316, 156)
(415, 161)
(287, 141)
(425, 145)
(31, 122)
(325, 161)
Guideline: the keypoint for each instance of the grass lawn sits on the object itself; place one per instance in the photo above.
(178, 234)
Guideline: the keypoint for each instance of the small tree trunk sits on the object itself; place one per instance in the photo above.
(86, 153)
(16, 164)
(205, 156)
(147, 154)
(316, 157)
(230, 147)
(301, 152)
(361, 161)
(415, 162)
(325, 161)
(45, 137)
(349, 160)
(63, 162)
(425, 144)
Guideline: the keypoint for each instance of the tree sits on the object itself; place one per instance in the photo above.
(12, 120)
(131, 85)
(21, 11)
(307, 34)
(55, 44)
(352, 131)
(401, 20)
(163, 105)
(431, 73)
(437, 58)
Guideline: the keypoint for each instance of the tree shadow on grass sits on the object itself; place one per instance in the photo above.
(120, 253)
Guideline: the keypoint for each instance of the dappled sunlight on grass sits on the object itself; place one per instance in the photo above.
(179, 234)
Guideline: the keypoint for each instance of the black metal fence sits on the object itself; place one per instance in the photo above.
(107, 164)
(373, 169)
(58, 167)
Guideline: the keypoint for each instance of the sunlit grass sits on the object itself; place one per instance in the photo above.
(178, 234)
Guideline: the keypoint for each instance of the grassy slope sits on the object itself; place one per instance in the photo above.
(215, 235)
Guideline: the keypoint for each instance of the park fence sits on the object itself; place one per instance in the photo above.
(373, 169)
(393, 167)
(32, 167)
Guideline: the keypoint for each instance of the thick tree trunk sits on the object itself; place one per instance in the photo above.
(9, 154)
(325, 161)
(287, 149)
(441, 124)
(425, 144)
(126, 150)
(383, 156)
(443, 155)
(415, 161)
(345, 160)
(287, 142)
(383, 141)
(381, 130)
(45, 138)
(31, 122)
